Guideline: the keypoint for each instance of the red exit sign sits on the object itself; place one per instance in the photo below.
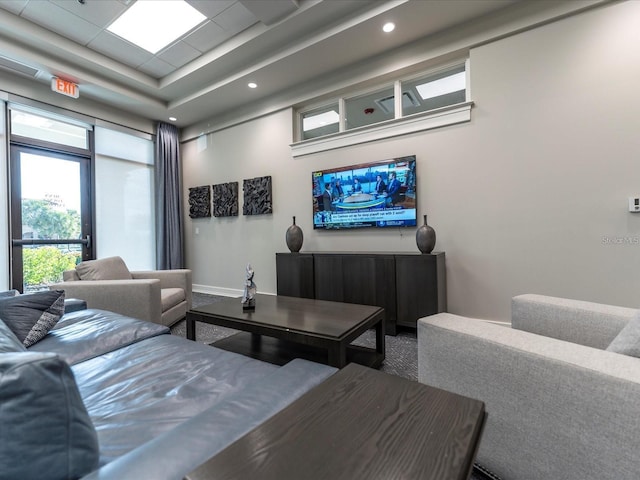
(65, 87)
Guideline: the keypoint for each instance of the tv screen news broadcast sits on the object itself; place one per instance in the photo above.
(378, 194)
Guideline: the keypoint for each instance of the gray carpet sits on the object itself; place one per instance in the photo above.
(401, 353)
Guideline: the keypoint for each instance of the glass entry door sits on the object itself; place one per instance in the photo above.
(50, 215)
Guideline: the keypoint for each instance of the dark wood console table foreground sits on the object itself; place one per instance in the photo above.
(359, 424)
(282, 328)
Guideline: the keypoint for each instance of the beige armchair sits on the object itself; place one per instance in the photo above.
(562, 402)
(159, 296)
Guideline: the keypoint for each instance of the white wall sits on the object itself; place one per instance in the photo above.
(21, 89)
(218, 254)
(530, 196)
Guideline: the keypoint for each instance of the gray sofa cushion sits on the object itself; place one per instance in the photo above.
(46, 431)
(216, 427)
(86, 334)
(170, 297)
(628, 340)
(8, 340)
(140, 391)
(74, 304)
(110, 268)
(31, 316)
(586, 323)
(9, 293)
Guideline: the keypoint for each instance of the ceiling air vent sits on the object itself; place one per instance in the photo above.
(17, 67)
(408, 100)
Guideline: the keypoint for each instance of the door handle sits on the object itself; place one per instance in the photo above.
(18, 242)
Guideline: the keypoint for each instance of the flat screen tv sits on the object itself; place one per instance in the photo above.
(379, 194)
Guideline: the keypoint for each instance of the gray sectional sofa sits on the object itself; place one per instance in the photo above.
(124, 399)
(561, 404)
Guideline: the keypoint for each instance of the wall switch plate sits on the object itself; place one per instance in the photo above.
(634, 204)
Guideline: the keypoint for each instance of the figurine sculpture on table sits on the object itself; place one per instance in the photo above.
(248, 298)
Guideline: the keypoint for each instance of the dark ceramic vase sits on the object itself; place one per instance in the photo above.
(294, 237)
(426, 237)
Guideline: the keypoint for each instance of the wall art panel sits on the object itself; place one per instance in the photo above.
(257, 196)
(225, 199)
(200, 201)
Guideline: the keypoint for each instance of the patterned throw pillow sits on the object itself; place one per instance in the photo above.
(30, 317)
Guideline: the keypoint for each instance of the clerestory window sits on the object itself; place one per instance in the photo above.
(424, 101)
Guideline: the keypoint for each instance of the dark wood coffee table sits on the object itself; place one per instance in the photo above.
(282, 328)
(359, 424)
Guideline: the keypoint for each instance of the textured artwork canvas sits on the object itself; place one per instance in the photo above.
(257, 196)
(200, 201)
(225, 199)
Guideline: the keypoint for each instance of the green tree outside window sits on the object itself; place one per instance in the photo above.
(44, 265)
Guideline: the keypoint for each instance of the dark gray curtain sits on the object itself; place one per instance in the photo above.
(169, 231)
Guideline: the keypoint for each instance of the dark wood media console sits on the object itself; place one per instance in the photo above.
(407, 285)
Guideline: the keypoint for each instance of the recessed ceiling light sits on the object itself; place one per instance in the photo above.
(389, 27)
(252, 85)
(173, 119)
(154, 24)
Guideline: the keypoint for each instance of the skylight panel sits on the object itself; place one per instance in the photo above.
(442, 86)
(154, 24)
(320, 120)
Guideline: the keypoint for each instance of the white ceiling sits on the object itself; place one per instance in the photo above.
(279, 44)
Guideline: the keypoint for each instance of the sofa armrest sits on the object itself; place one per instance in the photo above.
(586, 323)
(133, 298)
(555, 409)
(178, 278)
(74, 305)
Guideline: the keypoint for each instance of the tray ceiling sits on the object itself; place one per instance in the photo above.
(279, 44)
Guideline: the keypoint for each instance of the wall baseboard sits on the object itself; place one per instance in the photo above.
(223, 292)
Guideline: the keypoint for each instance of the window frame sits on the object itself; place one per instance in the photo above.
(399, 125)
